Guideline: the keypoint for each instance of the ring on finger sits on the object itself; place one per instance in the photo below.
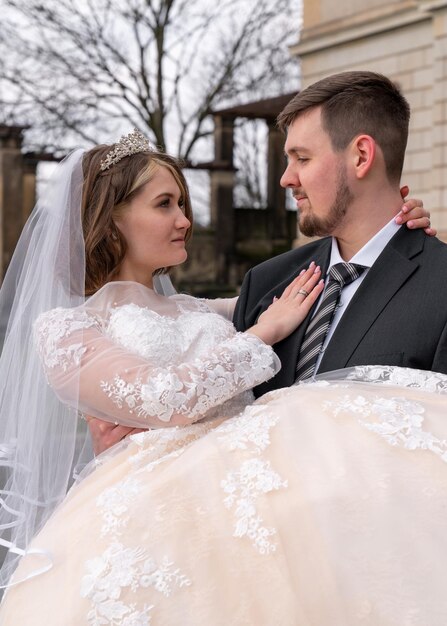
(303, 292)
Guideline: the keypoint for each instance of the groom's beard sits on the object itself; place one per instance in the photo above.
(314, 226)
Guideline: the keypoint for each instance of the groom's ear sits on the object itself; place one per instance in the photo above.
(363, 152)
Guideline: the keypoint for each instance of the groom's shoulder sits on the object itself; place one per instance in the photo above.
(434, 258)
(292, 258)
(415, 243)
(436, 246)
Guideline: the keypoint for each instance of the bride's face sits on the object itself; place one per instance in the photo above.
(154, 226)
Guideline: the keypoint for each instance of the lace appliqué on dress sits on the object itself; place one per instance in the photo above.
(114, 503)
(244, 487)
(158, 446)
(145, 332)
(117, 568)
(399, 421)
(242, 362)
(249, 430)
(401, 376)
(164, 339)
(54, 325)
(250, 433)
(120, 567)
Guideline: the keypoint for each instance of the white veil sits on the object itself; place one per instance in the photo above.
(40, 438)
(43, 443)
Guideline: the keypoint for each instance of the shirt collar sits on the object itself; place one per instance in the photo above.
(371, 250)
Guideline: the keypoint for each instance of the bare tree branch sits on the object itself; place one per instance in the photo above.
(78, 71)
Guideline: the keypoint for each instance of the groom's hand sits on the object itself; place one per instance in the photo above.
(105, 434)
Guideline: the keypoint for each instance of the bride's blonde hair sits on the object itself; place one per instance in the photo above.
(106, 194)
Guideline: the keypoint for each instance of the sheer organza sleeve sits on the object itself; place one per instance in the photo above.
(223, 306)
(91, 372)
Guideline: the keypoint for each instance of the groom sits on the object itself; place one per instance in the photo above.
(346, 140)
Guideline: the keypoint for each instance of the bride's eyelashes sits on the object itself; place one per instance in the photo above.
(168, 201)
(165, 202)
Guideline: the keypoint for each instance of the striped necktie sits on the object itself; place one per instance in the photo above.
(340, 275)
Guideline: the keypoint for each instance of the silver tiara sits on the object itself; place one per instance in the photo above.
(133, 143)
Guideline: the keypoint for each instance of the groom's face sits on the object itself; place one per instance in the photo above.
(317, 176)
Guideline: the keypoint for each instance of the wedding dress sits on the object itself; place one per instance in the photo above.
(319, 505)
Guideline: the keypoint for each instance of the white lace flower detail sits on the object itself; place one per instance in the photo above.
(145, 332)
(166, 338)
(118, 569)
(398, 420)
(251, 429)
(162, 577)
(114, 504)
(312, 382)
(400, 424)
(358, 404)
(194, 389)
(244, 487)
(158, 446)
(401, 376)
(53, 326)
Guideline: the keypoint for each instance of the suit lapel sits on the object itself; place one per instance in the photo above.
(391, 270)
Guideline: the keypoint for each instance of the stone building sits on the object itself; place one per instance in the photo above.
(407, 41)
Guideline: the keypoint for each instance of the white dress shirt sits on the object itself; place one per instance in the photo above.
(365, 256)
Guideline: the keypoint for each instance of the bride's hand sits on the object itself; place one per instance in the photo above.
(287, 312)
(414, 215)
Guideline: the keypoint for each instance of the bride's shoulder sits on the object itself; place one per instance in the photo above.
(58, 335)
(60, 322)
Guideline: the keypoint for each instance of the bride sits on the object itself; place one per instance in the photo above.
(315, 505)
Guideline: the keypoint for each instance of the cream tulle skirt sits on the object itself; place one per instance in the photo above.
(323, 504)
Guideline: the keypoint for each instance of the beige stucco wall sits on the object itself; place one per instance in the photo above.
(317, 12)
(408, 42)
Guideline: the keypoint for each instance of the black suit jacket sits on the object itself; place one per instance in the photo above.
(398, 315)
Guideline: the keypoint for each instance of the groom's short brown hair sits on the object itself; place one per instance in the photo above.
(355, 103)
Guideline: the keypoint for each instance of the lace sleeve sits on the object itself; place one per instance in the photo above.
(91, 372)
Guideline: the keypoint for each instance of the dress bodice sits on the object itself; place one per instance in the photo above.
(192, 334)
(143, 359)
(168, 339)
